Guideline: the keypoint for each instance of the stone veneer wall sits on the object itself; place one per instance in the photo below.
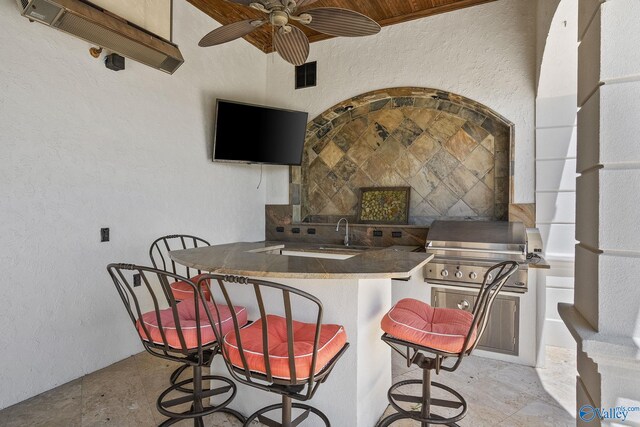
(454, 153)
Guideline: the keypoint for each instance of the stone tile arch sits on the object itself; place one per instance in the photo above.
(454, 153)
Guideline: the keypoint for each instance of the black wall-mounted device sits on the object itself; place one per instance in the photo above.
(114, 62)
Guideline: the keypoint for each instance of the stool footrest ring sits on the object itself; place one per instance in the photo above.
(175, 375)
(394, 398)
(398, 416)
(233, 412)
(271, 423)
(163, 403)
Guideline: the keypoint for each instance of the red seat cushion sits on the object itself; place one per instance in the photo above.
(443, 329)
(332, 339)
(182, 290)
(187, 319)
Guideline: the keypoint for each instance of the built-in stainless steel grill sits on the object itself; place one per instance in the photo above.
(465, 250)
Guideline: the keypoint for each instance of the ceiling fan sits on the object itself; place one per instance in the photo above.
(289, 41)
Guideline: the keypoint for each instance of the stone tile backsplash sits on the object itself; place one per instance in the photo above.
(454, 154)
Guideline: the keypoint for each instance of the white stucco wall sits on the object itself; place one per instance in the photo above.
(82, 148)
(486, 53)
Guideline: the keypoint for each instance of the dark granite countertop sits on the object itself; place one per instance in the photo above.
(263, 259)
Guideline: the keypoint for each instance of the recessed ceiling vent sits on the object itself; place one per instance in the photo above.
(105, 30)
(306, 75)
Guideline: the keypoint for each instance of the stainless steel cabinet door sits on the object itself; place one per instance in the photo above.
(501, 335)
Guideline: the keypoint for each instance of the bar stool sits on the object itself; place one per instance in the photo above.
(276, 353)
(184, 333)
(159, 254)
(428, 337)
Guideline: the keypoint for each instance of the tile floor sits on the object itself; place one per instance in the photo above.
(124, 394)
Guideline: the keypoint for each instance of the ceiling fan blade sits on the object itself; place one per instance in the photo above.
(293, 47)
(229, 32)
(341, 22)
(303, 3)
(243, 2)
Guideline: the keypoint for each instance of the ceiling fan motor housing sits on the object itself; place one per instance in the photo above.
(279, 18)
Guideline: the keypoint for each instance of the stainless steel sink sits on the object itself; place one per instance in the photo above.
(351, 248)
(327, 251)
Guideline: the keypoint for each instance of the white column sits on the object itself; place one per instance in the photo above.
(605, 317)
(556, 114)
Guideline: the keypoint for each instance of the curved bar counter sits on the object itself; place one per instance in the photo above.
(304, 261)
(354, 285)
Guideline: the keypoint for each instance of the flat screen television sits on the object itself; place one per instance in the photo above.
(247, 133)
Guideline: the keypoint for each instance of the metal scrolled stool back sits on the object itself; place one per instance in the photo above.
(166, 330)
(255, 356)
(433, 353)
(159, 255)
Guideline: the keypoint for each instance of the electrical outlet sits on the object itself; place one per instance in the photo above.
(279, 229)
(295, 230)
(377, 233)
(136, 280)
(311, 231)
(396, 234)
(104, 234)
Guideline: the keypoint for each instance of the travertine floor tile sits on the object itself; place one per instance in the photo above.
(500, 393)
(60, 407)
(114, 396)
(399, 365)
(125, 394)
(540, 414)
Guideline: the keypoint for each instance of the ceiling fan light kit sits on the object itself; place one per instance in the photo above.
(288, 40)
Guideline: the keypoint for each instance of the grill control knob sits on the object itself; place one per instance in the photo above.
(444, 273)
(463, 304)
(458, 274)
(473, 276)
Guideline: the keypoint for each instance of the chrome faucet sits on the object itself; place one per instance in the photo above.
(346, 234)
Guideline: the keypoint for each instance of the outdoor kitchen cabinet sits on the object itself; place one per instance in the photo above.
(501, 334)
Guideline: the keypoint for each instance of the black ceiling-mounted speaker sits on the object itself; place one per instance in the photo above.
(114, 62)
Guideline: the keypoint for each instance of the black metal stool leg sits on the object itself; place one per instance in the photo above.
(426, 395)
(198, 408)
(425, 416)
(197, 392)
(287, 418)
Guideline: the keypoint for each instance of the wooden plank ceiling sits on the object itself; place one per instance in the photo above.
(385, 12)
